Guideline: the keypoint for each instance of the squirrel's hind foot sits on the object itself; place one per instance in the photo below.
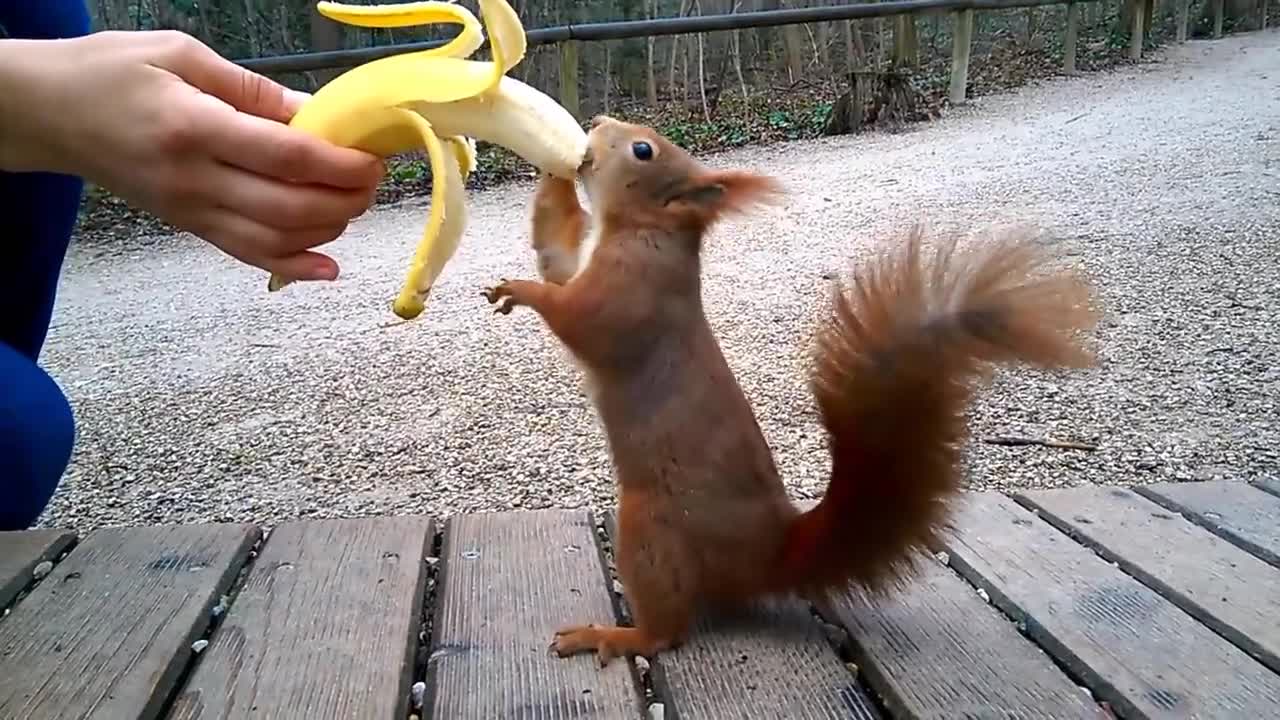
(608, 642)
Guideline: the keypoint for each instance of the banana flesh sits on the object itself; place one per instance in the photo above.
(440, 101)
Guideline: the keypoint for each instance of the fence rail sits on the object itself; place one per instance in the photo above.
(566, 35)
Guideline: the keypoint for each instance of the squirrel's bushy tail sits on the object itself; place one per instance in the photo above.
(908, 342)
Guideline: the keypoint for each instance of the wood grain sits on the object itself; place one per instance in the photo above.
(1219, 584)
(1232, 510)
(771, 659)
(1132, 647)
(325, 625)
(21, 552)
(937, 650)
(508, 582)
(108, 632)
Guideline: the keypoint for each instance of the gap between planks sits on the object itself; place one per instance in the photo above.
(359, 586)
(1088, 623)
(23, 552)
(1227, 589)
(1240, 513)
(772, 654)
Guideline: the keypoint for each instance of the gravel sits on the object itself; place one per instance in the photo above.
(201, 397)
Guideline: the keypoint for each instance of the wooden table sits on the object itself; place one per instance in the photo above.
(1163, 601)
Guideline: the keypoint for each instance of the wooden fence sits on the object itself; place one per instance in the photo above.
(906, 13)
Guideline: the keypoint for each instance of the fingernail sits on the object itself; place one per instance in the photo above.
(294, 99)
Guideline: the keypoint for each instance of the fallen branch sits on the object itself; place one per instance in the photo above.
(1018, 441)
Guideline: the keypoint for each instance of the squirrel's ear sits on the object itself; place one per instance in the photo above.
(717, 193)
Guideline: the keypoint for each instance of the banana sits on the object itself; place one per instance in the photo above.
(439, 100)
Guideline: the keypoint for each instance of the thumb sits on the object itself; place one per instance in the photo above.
(246, 91)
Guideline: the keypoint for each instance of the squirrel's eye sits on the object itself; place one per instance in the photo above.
(642, 150)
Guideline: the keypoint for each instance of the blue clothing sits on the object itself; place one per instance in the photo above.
(37, 429)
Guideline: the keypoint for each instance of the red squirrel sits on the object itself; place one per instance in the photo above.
(703, 517)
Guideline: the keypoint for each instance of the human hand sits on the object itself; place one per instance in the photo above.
(165, 123)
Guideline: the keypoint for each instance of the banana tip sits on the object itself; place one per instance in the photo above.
(408, 308)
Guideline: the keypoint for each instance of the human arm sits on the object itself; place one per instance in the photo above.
(165, 123)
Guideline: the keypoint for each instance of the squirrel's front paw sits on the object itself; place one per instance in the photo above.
(501, 296)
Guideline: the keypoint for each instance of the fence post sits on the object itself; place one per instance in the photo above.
(1070, 39)
(1184, 10)
(906, 45)
(569, 77)
(1217, 18)
(1135, 31)
(961, 44)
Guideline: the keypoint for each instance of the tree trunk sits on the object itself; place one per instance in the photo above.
(325, 35)
(735, 54)
(702, 75)
(608, 75)
(823, 40)
(851, 49)
(685, 5)
(650, 80)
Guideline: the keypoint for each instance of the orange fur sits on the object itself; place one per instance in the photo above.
(559, 226)
(703, 515)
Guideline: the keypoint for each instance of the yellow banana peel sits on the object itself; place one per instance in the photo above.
(439, 100)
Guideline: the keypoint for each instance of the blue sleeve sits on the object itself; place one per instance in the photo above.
(44, 19)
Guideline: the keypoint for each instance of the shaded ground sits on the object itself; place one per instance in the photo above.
(202, 397)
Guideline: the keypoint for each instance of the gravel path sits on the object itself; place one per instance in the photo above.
(201, 397)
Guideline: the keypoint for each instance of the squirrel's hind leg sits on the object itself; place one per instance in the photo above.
(659, 580)
(610, 641)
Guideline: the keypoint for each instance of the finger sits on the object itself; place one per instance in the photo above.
(269, 148)
(253, 243)
(283, 205)
(294, 100)
(202, 67)
(305, 266)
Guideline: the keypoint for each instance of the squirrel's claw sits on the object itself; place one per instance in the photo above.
(501, 296)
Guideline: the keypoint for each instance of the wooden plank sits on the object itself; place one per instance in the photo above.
(325, 625)
(1130, 646)
(1070, 39)
(938, 650)
(20, 553)
(961, 45)
(1221, 585)
(108, 632)
(1232, 510)
(771, 654)
(508, 582)
(1270, 485)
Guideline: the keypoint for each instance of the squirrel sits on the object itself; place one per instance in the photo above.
(703, 516)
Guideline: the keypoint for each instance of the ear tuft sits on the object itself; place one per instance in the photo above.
(742, 190)
(722, 192)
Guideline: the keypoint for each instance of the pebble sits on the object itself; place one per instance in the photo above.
(201, 397)
(199, 646)
(417, 693)
(40, 571)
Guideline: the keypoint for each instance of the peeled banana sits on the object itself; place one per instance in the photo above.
(438, 100)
